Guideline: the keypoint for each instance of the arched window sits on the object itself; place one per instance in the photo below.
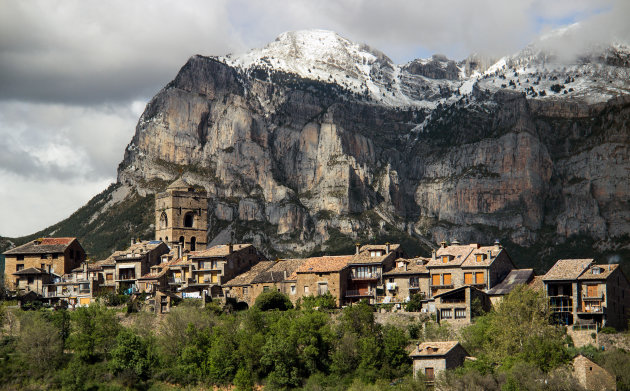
(166, 239)
(189, 220)
(193, 242)
(163, 220)
(181, 241)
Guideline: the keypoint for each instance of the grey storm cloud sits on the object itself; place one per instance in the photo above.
(75, 74)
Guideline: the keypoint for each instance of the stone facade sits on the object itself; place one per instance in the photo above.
(458, 305)
(410, 276)
(52, 255)
(181, 216)
(321, 275)
(431, 358)
(591, 376)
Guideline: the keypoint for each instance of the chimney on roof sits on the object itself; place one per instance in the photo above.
(357, 246)
(179, 250)
(387, 246)
(497, 244)
(132, 241)
(85, 269)
(230, 248)
(489, 254)
(433, 255)
(285, 274)
(455, 242)
(443, 244)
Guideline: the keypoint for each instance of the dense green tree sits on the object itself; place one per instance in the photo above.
(131, 354)
(273, 300)
(94, 331)
(39, 343)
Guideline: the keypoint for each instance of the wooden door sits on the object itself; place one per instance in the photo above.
(429, 374)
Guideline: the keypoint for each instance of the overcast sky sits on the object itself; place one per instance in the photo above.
(75, 75)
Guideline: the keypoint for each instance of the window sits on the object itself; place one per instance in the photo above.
(446, 313)
(435, 279)
(479, 278)
(193, 243)
(460, 313)
(42, 266)
(109, 276)
(30, 279)
(414, 281)
(447, 278)
(55, 256)
(293, 289)
(265, 289)
(306, 289)
(468, 280)
(479, 257)
(591, 290)
(181, 241)
(429, 374)
(19, 266)
(322, 288)
(391, 280)
(20, 257)
(43, 256)
(163, 221)
(445, 259)
(189, 219)
(244, 290)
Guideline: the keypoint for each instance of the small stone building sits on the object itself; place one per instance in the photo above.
(280, 276)
(50, 255)
(239, 288)
(430, 358)
(181, 216)
(591, 376)
(460, 305)
(410, 276)
(321, 275)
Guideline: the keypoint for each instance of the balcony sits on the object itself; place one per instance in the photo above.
(443, 286)
(175, 281)
(561, 304)
(365, 276)
(585, 297)
(592, 308)
(358, 293)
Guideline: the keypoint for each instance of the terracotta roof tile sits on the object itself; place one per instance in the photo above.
(325, 264)
(279, 271)
(567, 269)
(42, 246)
(220, 250)
(414, 266)
(247, 277)
(457, 253)
(598, 272)
(427, 349)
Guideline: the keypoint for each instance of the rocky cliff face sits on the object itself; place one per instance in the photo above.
(300, 163)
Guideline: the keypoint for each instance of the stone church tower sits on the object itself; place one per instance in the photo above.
(181, 216)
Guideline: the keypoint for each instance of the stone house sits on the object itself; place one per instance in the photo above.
(50, 255)
(280, 276)
(239, 288)
(591, 376)
(181, 216)
(205, 272)
(365, 278)
(410, 276)
(516, 277)
(77, 288)
(455, 265)
(430, 358)
(33, 280)
(458, 306)
(321, 275)
(588, 296)
(132, 263)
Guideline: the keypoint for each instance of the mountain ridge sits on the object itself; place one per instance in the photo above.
(301, 165)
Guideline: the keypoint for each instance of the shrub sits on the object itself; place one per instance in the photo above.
(273, 300)
(415, 303)
(608, 330)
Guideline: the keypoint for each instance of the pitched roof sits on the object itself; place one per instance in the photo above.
(133, 250)
(471, 260)
(325, 264)
(514, 278)
(247, 277)
(30, 271)
(567, 269)
(221, 250)
(457, 252)
(454, 290)
(598, 272)
(369, 247)
(179, 184)
(536, 283)
(428, 349)
(279, 271)
(42, 246)
(414, 266)
(162, 268)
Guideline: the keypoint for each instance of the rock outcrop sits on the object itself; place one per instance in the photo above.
(295, 164)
